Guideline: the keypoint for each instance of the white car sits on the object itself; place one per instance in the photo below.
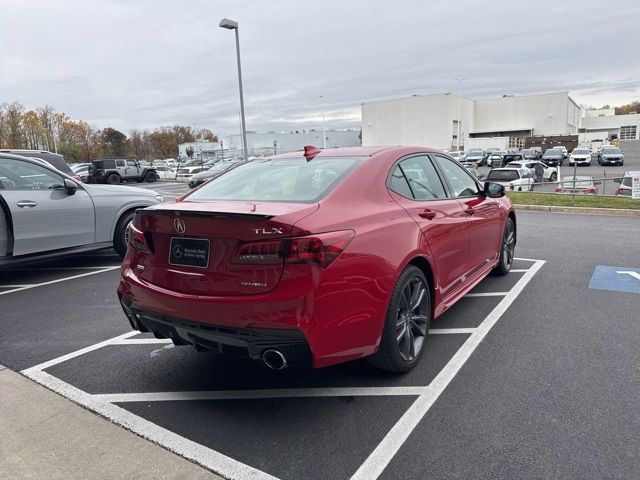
(185, 173)
(550, 173)
(458, 155)
(46, 213)
(514, 179)
(166, 173)
(580, 156)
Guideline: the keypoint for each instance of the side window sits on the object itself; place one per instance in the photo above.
(423, 178)
(131, 163)
(462, 184)
(18, 175)
(398, 183)
(119, 163)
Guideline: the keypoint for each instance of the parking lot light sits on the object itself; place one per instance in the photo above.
(233, 25)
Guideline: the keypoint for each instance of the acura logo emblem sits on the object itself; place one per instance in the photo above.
(178, 224)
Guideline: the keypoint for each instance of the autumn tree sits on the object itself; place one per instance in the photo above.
(633, 107)
(183, 134)
(164, 143)
(139, 144)
(13, 125)
(208, 135)
(112, 142)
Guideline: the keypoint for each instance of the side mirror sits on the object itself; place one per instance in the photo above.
(617, 180)
(493, 190)
(71, 186)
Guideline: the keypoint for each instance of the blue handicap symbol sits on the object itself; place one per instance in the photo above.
(617, 279)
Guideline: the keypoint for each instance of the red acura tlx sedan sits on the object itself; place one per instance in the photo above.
(317, 258)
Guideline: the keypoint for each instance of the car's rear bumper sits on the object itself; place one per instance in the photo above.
(335, 327)
(251, 342)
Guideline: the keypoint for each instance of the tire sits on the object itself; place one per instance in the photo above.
(507, 248)
(151, 177)
(553, 177)
(139, 180)
(112, 179)
(412, 289)
(120, 236)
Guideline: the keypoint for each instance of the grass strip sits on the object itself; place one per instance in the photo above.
(563, 200)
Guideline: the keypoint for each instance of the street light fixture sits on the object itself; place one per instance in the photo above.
(233, 25)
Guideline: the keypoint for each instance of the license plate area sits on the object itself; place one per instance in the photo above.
(190, 252)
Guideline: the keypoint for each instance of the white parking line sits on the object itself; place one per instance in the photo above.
(518, 270)
(450, 331)
(205, 456)
(487, 294)
(77, 353)
(51, 282)
(16, 286)
(387, 449)
(527, 259)
(66, 268)
(260, 394)
(374, 465)
(141, 341)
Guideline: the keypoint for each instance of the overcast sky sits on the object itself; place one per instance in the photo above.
(141, 64)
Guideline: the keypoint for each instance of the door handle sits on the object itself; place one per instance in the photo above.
(469, 211)
(27, 203)
(428, 214)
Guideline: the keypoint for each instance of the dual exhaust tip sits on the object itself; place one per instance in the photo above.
(274, 359)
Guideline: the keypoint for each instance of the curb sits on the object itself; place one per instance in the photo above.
(617, 212)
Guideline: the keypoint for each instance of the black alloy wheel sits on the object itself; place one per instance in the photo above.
(407, 324)
(507, 249)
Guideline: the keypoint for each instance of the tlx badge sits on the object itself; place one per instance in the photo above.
(264, 231)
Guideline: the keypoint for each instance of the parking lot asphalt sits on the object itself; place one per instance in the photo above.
(533, 375)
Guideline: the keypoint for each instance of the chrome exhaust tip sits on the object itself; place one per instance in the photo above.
(274, 359)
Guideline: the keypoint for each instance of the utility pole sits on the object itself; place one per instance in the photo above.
(324, 128)
(459, 80)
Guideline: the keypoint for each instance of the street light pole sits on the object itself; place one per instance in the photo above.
(324, 128)
(232, 25)
(459, 80)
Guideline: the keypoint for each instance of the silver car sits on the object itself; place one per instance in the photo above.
(44, 212)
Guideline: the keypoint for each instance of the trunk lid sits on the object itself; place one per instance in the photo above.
(196, 245)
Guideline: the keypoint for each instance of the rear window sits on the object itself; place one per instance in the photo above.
(579, 183)
(502, 175)
(280, 180)
(626, 181)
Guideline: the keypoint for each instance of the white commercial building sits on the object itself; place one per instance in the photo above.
(599, 128)
(260, 144)
(434, 120)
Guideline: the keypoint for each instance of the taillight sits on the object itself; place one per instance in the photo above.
(138, 240)
(590, 190)
(320, 250)
(558, 189)
(618, 191)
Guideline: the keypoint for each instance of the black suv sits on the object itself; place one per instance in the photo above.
(553, 156)
(116, 170)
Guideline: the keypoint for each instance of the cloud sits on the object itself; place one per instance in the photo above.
(147, 63)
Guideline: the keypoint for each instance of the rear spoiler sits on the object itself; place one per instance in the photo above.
(222, 215)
